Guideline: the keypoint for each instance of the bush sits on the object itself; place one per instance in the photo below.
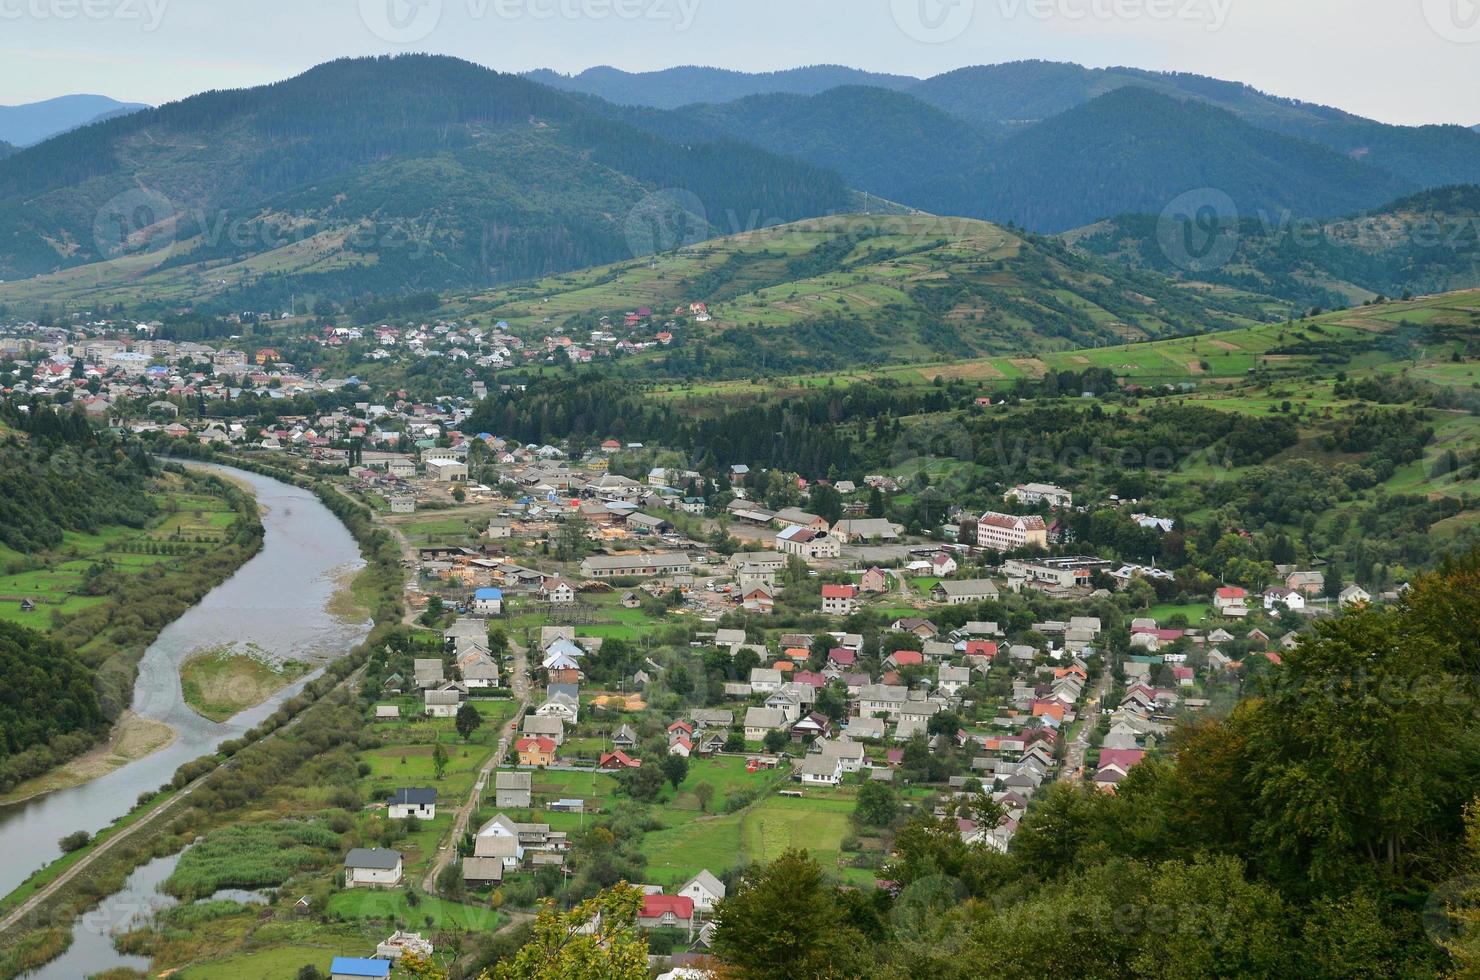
(74, 842)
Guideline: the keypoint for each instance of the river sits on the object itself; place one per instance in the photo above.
(276, 601)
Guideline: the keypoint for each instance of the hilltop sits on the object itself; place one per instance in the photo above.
(1423, 243)
(840, 291)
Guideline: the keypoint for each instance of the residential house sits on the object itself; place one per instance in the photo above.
(705, 890)
(536, 751)
(442, 702)
(488, 602)
(818, 769)
(759, 721)
(512, 789)
(358, 968)
(418, 803)
(874, 581)
(839, 600)
(377, 867)
(666, 912)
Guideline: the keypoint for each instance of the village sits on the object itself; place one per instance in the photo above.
(609, 637)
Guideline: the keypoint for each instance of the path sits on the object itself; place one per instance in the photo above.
(519, 684)
(53, 886)
(1074, 757)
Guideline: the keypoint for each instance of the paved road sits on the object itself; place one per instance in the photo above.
(519, 684)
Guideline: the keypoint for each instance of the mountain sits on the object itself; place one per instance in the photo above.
(843, 130)
(5, 149)
(364, 175)
(853, 290)
(1134, 150)
(1022, 93)
(1027, 91)
(1424, 243)
(674, 87)
(23, 125)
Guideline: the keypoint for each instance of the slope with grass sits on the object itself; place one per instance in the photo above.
(852, 290)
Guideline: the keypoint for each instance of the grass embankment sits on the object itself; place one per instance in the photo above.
(281, 771)
(218, 684)
(133, 738)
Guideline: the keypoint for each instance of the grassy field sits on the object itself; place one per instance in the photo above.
(54, 581)
(218, 684)
(391, 907)
(759, 833)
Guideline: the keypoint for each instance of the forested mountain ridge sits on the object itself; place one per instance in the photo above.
(674, 87)
(451, 174)
(1424, 243)
(1022, 93)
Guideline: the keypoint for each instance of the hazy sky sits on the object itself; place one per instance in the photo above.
(1405, 61)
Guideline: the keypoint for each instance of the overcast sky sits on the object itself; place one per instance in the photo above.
(1402, 61)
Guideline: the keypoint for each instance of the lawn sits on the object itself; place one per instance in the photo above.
(217, 684)
(1194, 611)
(760, 833)
(391, 906)
(279, 961)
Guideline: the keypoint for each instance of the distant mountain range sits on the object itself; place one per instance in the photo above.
(5, 149)
(674, 87)
(391, 175)
(378, 175)
(23, 125)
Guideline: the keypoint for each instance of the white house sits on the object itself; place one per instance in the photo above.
(705, 889)
(418, 803)
(367, 867)
(1292, 600)
(488, 602)
(819, 769)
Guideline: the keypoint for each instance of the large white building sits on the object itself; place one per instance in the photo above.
(1032, 494)
(1009, 532)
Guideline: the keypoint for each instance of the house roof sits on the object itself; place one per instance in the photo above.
(708, 882)
(414, 797)
(657, 906)
(375, 858)
(354, 966)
